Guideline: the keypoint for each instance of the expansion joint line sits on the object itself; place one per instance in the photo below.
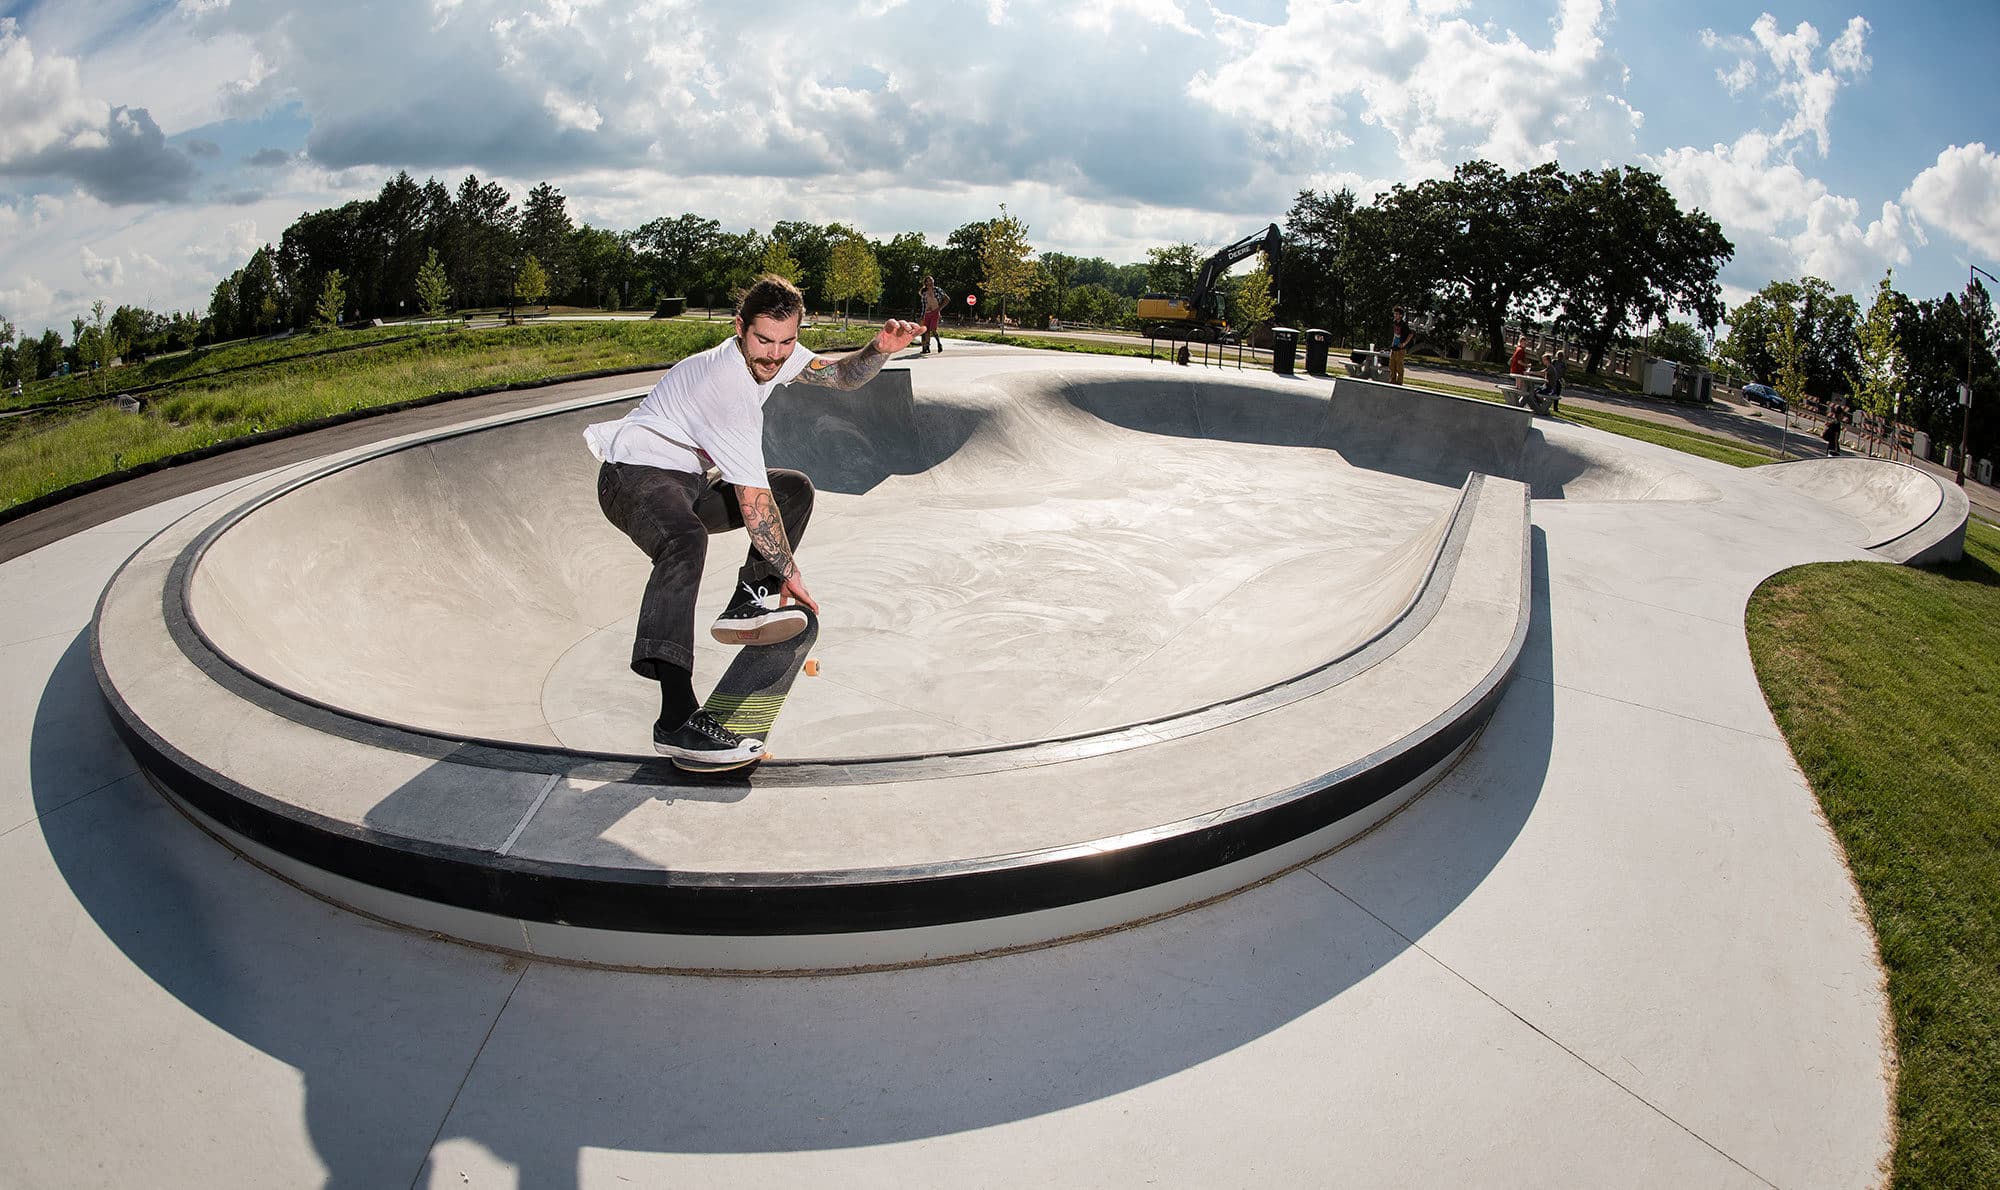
(445, 1117)
(1413, 944)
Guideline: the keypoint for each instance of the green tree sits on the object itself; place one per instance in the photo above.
(1316, 291)
(1788, 352)
(1623, 253)
(531, 284)
(1252, 300)
(1007, 262)
(1474, 245)
(1171, 269)
(260, 304)
(1058, 272)
(545, 235)
(853, 272)
(779, 262)
(1823, 322)
(482, 230)
(1878, 385)
(729, 266)
(49, 353)
(332, 302)
(1098, 305)
(1681, 342)
(433, 287)
(671, 252)
(812, 247)
(605, 267)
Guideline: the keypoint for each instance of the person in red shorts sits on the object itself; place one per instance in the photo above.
(931, 303)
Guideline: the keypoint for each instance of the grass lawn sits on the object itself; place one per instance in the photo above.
(1886, 682)
(202, 361)
(1708, 446)
(47, 451)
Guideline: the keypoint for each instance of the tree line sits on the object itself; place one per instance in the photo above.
(1606, 258)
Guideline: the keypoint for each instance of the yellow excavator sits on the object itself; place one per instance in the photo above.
(1199, 315)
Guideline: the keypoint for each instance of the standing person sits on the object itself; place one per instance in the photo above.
(1399, 342)
(932, 302)
(1552, 388)
(1518, 366)
(1832, 431)
(688, 462)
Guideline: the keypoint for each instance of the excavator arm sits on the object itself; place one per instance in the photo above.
(1265, 241)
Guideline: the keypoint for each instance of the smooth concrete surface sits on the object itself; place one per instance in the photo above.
(1032, 556)
(1911, 515)
(848, 824)
(1615, 946)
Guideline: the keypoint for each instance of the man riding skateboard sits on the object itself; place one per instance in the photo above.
(688, 462)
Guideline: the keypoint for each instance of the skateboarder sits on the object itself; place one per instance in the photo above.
(688, 462)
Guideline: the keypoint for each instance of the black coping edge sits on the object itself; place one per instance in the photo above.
(769, 904)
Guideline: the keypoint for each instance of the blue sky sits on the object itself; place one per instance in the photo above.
(148, 146)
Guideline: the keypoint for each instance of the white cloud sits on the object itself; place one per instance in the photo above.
(1784, 221)
(42, 103)
(1806, 91)
(1848, 52)
(1834, 244)
(1444, 89)
(1961, 194)
(49, 128)
(102, 272)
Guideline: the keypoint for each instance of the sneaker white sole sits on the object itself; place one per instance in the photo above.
(716, 766)
(751, 750)
(775, 629)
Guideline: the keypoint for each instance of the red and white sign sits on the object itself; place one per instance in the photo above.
(971, 299)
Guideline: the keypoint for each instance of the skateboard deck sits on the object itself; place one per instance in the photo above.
(752, 690)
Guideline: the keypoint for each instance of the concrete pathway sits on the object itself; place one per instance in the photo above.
(1615, 946)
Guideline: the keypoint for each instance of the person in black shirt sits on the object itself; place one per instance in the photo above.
(1399, 342)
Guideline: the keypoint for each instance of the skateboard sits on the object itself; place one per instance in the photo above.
(752, 690)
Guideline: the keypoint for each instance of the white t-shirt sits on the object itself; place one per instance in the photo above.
(707, 409)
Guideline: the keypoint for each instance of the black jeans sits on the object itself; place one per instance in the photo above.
(670, 514)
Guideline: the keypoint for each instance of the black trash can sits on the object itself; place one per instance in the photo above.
(1284, 349)
(1317, 344)
(672, 307)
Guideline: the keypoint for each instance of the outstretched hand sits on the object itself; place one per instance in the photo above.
(896, 335)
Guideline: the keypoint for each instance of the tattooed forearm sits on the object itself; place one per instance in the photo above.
(851, 371)
(767, 530)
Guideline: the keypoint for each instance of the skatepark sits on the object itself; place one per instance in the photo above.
(1211, 776)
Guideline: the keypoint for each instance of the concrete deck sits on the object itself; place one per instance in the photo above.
(1615, 945)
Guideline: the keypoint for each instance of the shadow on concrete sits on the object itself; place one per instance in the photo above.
(383, 1025)
(380, 1025)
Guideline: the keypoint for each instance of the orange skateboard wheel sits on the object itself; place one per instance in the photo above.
(812, 667)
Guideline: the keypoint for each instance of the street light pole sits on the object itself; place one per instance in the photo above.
(1965, 397)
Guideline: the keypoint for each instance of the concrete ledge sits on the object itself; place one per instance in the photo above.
(623, 860)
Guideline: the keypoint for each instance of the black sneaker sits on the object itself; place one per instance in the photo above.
(755, 617)
(706, 741)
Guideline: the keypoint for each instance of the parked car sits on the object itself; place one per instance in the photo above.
(1765, 395)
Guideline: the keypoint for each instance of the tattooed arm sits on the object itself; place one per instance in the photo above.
(857, 368)
(767, 533)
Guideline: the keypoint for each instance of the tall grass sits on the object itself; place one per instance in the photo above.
(49, 452)
(202, 361)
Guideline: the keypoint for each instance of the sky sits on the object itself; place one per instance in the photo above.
(147, 147)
